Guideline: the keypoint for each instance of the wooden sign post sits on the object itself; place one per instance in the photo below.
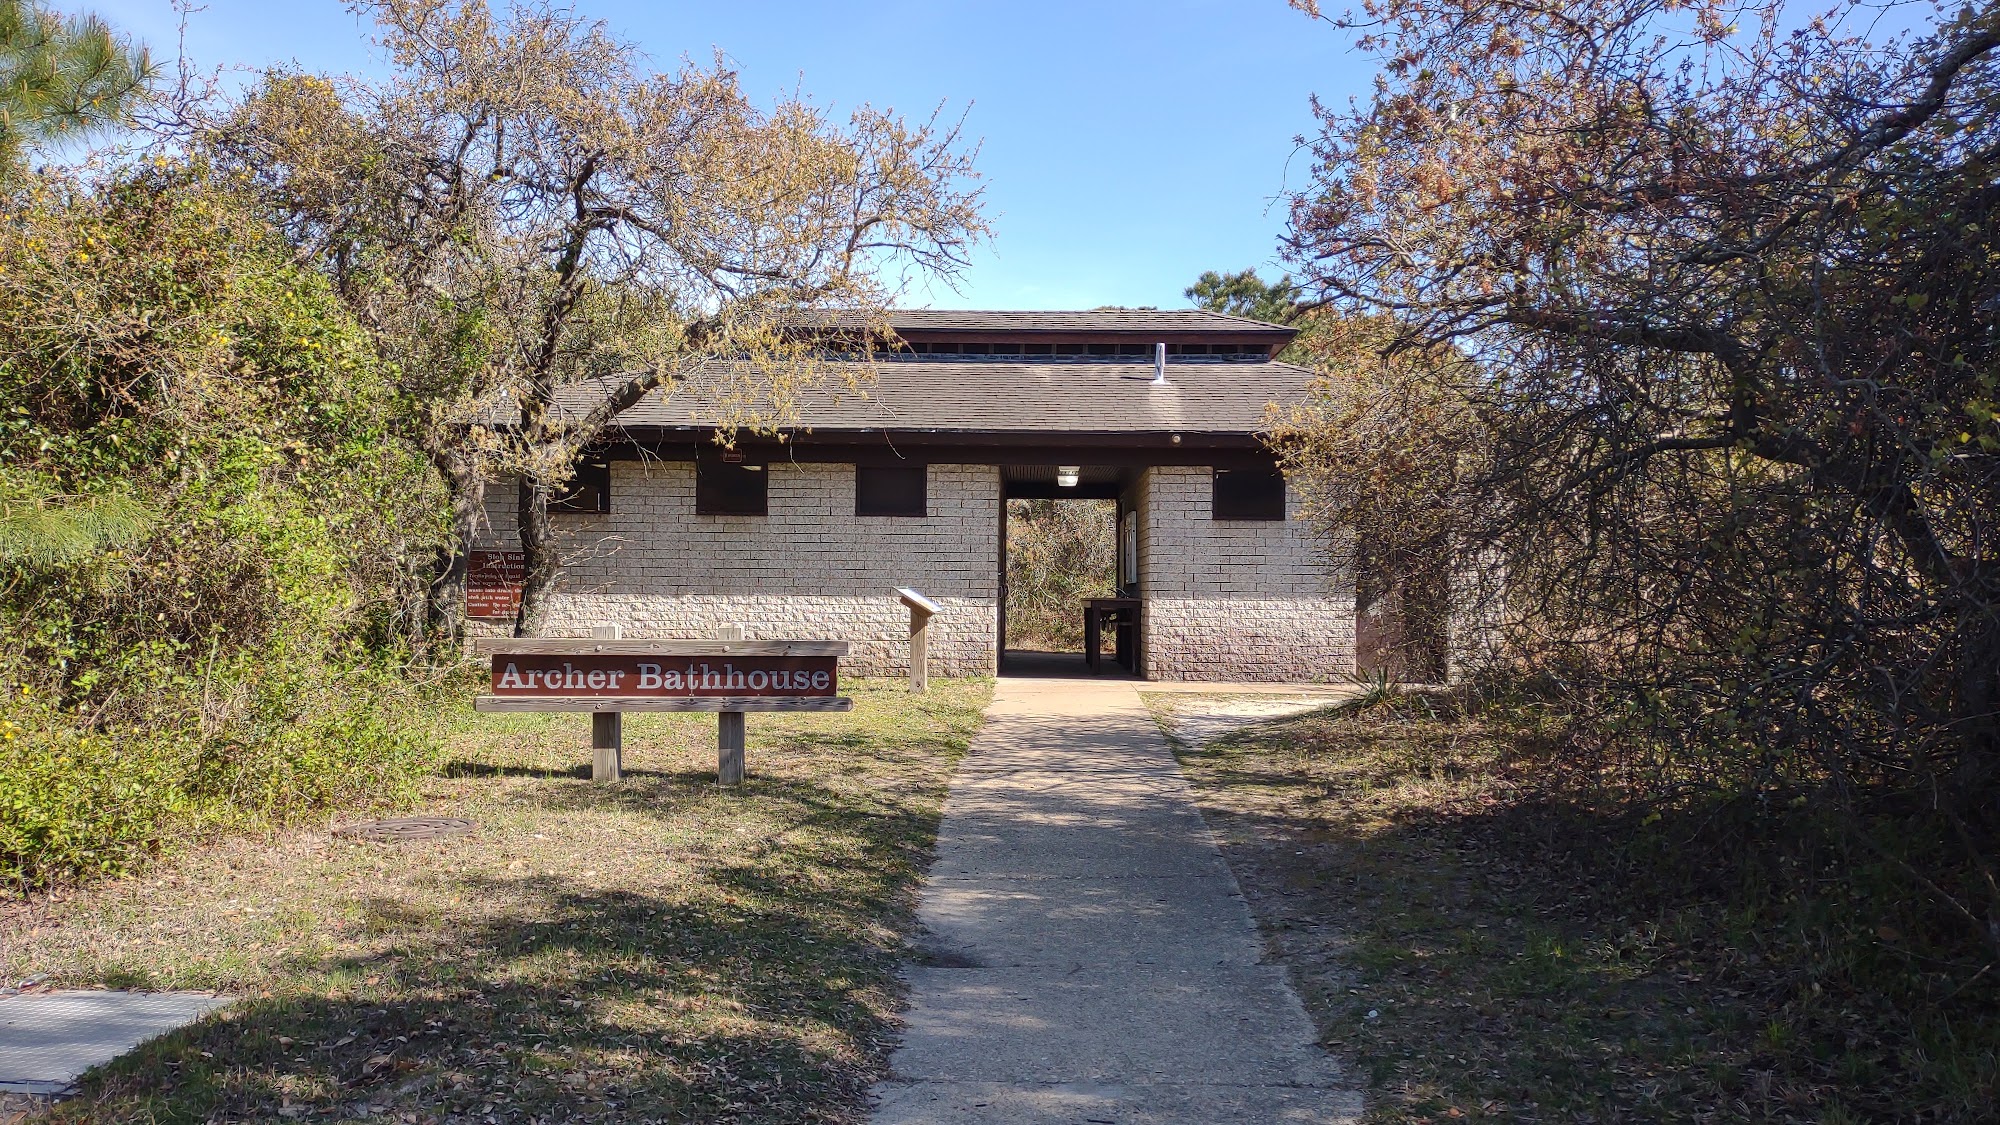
(606, 676)
(922, 609)
(607, 728)
(729, 728)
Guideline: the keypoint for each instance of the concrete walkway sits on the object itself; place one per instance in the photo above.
(47, 1040)
(1092, 959)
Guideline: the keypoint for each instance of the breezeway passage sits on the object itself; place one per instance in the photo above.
(1092, 957)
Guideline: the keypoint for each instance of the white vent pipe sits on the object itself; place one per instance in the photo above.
(1159, 365)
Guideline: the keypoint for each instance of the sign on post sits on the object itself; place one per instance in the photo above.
(655, 677)
(598, 675)
(493, 585)
(922, 609)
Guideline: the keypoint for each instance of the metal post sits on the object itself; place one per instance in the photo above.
(607, 728)
(729, 727)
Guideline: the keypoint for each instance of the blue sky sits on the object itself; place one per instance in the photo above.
(1126, 146)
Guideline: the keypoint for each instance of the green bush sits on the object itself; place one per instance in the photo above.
(79, 802)
(1060, 554)
(233, 655)
(364, 739)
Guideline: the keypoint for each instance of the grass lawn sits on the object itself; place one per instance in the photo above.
(1482, 949)
(655, 950)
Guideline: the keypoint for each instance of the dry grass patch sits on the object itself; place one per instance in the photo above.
(1486, 944)
(655, 950)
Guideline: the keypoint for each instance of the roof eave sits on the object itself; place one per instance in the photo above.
(936, 436)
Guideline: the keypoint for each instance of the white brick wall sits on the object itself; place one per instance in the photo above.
(1474, 635)
(810, 569)
(1235, 599)
(1225, 599)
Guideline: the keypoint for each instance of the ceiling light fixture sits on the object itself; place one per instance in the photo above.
(1067, 475)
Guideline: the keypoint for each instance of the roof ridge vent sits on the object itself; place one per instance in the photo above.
(1159, 365)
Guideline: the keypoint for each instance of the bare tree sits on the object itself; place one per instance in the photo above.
(542, 232)
(1727, 275)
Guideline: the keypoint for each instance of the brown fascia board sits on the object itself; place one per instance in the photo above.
(1246, 335)
(954, 447)
(1274, 337)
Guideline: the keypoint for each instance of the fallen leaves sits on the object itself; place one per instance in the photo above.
(1545, 994)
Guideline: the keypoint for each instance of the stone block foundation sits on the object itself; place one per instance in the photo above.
(877, 628)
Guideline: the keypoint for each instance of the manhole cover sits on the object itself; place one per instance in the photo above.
(405, 828)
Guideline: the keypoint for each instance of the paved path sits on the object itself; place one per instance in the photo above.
(1092, 958)
(47, 1040)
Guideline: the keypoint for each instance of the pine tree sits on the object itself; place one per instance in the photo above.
(41, 526)
(1246, 294)
(61, 77)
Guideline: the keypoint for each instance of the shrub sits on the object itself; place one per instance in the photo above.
(74, 801)
(1060, 553)
(228, 652)
(80, 800)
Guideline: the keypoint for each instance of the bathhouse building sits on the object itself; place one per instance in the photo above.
(904, 487)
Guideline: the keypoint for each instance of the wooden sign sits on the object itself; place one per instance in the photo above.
(922, 609)
(587, 674)
(533, 675)
(607, 676)
(493, 584)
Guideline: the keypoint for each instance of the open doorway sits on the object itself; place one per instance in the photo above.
(1059, 553)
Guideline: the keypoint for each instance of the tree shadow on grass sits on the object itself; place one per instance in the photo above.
(765, 744)
(1480, 940)
(470, 769)
(758, 991)
(580, 772)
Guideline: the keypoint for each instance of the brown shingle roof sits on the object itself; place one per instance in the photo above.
(1091, 321)
(1022, 397)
